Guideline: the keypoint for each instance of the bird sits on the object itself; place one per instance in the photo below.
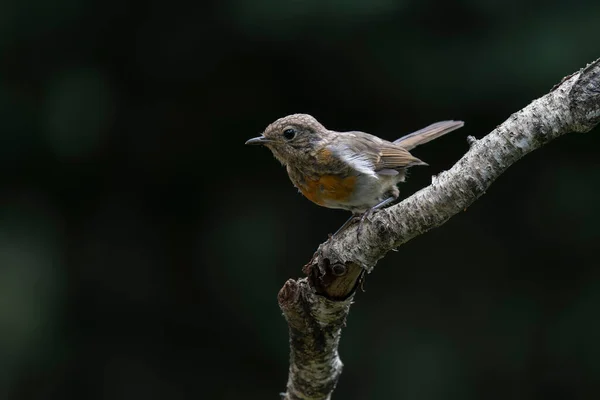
(353, 171)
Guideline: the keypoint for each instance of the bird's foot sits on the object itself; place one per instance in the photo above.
(361, 222)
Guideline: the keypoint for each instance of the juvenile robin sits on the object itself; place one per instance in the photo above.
(353, 171)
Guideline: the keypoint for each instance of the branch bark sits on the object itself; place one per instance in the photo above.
(316, 307)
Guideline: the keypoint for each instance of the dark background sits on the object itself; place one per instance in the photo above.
(142, 245)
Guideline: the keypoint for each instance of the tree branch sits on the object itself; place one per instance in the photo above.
(316, 307)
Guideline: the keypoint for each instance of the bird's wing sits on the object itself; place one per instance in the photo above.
(368, 153)
(394, 156)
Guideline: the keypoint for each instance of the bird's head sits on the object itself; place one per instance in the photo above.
(291, 137)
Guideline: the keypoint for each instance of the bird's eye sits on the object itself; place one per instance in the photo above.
(289, 133)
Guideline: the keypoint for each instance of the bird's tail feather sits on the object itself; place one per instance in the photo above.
(428, 133)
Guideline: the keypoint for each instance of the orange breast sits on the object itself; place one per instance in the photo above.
(328, 189)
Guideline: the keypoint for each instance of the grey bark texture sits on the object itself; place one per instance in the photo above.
(316, 307)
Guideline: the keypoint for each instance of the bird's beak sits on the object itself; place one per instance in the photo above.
(258, 140)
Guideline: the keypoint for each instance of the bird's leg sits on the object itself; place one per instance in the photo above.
(346, 224)
(370, 212)
(361, 218)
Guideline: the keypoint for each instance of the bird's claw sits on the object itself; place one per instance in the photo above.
(361, 222)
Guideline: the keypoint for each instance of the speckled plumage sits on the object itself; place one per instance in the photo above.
(348, 170)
